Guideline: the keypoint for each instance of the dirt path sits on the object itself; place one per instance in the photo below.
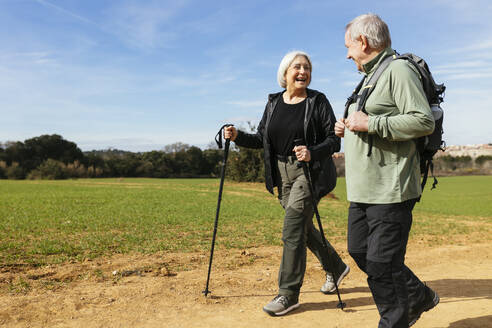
(165, 291)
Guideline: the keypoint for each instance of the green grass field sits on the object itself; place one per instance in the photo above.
(45, 222)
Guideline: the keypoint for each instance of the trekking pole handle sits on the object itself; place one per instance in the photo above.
(299, 142)
(226, 126)
(218, 136)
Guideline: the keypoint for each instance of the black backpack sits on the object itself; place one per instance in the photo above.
(427, 146)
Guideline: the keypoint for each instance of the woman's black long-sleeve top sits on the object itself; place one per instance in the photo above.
(319, 134)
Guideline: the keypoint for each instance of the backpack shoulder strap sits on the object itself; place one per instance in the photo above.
(371, 84)
(353, 97)
(368, 88)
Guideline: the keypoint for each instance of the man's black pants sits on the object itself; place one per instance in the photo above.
(377, 241)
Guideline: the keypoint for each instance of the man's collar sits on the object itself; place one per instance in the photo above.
(370, 66)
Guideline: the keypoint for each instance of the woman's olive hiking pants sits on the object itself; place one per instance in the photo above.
(299, 231)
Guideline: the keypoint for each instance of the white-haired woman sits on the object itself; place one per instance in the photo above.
(297, 113)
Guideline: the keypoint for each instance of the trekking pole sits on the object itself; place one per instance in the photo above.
(305, 168)
(218, 139)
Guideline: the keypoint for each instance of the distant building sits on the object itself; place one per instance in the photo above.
(467, 150)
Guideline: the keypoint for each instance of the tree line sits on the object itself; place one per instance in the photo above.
(53, 157)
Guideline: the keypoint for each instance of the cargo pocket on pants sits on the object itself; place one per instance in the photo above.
(298, 195)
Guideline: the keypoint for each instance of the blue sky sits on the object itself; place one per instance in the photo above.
(138, 75)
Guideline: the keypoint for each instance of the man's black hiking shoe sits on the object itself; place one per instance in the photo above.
(281, 304)
(430, 301)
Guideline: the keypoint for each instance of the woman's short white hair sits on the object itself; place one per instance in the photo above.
(285, 63)
(373, 28)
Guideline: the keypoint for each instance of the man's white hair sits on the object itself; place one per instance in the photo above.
(373, 28)
(285, 63)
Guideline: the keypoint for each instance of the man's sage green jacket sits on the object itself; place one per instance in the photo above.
(398, 113)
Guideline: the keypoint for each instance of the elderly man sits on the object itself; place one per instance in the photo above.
(383, 173)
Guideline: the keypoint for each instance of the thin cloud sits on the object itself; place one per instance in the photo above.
(26, 58)
(351, 84)
(469, 75)
(323, 80)
(146, 25)
(201, 82)
(243, 123)
(247, 103)
(215, 21)
(478, 46)
(471, 69)
(458, 133)
(64, 11)
(476, 93)
(464, 64)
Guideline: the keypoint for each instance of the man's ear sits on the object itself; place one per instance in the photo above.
(365, 43)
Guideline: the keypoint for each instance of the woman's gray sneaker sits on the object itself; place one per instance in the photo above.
(281, 304)
(329, 285)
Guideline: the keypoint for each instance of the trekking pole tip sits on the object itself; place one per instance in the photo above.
(206, 292)
(341, 305)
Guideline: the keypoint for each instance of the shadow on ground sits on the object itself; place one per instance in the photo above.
(446, 288)
(462, 287)
(479, 322)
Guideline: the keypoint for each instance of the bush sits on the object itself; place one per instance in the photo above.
(246, 165)
(3, 169)
(49, 169)
(480, 160)
(75, 170)
(15, 171)
(453, 163)
(145, 169)
(94, 172)
(456, 159)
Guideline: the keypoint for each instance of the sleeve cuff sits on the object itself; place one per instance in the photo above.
(313, 154)
(371, 124)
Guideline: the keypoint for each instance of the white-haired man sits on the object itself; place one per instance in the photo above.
(383, 173)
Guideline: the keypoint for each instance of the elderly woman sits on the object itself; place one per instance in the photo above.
(297, 113)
